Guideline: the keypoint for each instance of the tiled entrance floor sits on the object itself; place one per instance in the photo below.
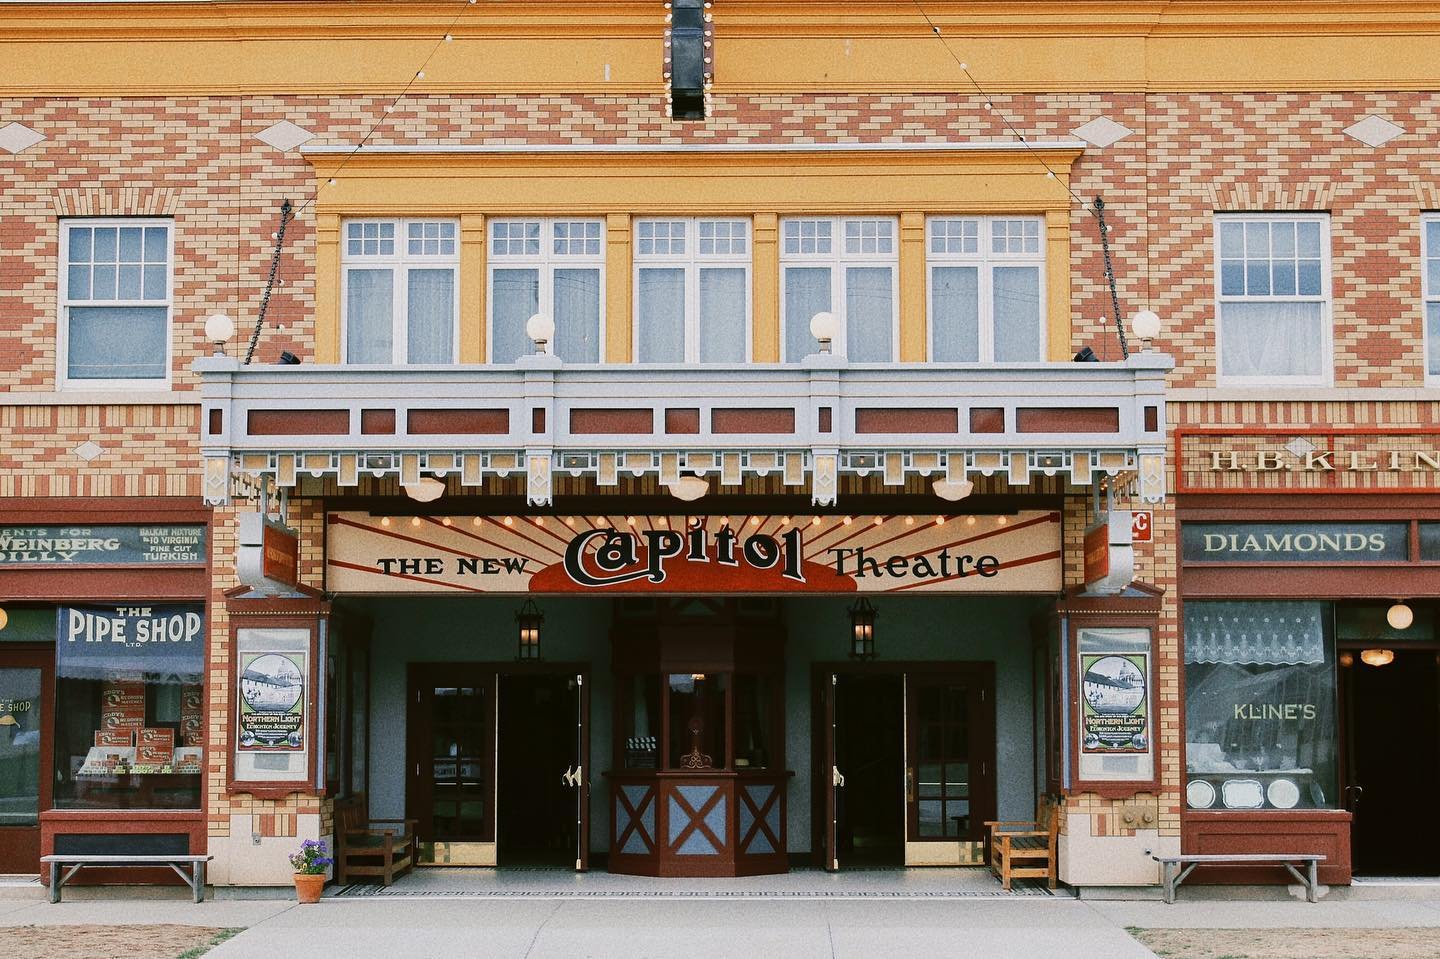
(534, 883)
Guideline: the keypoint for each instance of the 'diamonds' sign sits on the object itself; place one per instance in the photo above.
(698, 554)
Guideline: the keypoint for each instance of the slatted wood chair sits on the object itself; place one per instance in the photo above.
(1025, 850)
(384, 848)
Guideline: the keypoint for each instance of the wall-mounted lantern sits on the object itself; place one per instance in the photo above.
(862, 630)
(529, 618)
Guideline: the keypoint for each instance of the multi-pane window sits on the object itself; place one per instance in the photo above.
(554, 267)
(115, 302)
(1430, 284)
(986, 289)
(845, 267)
(401, 291)
(1274, 298)
(692, 291)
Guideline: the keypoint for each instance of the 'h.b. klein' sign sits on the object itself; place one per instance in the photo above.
(1018, 553)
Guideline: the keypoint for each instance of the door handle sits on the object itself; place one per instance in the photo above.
(910, 784)
(835, 778)
(577, 778)
(1356, 793)
(567, 777)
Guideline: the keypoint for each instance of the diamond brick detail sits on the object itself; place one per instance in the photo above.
(1374, 131)
(15, 137)
(284, 136)
(1102, 131)
(88, 450)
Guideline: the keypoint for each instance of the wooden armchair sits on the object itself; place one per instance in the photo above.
(371, 847)
(1025, 850)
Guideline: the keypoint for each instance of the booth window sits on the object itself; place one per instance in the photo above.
(846, 267)
(1274, 298)
(129, 713)
(692, 291)
(697, 720)
(554, 267)
(401, 295)
(115, 302)
(1260, 706)
(986, 289)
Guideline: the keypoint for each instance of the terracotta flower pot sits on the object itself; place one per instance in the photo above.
(308, 888)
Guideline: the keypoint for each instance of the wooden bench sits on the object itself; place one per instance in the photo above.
(194, 876)
(1025, 850)
(1172, 875)
(362, 849)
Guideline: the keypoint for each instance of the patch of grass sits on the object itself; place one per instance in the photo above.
(218, 938)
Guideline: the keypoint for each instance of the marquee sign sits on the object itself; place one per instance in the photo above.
(1018, 553)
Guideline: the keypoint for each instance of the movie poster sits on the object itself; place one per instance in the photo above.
(272, 701)
(1116, 707)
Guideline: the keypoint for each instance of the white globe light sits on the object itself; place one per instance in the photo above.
(1399, 616)
(540, 328)
(822, 326)
(219, 327)
(1146, 325)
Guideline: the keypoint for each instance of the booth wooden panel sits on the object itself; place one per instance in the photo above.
(1322, 831)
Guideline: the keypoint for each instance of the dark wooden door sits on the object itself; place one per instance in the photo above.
(27, 679)
(581, 777)
(950, 763)
(831, 779)
(451, 766)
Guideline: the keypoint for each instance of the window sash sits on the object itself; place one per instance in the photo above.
(566, 284)
(423, 291)
(1298, 316)
(141, 257)
(710, 326)
(969, 283)
(800, 290)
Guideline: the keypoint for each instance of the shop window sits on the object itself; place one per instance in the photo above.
(692, 291)
(1259, 706)
(554, 267)
(401, 294)
(1430, 283)
(754, 720)
(697, 720)
(1273, 282)
(129, 719)
(20, 711)
(115, 302)
(846, 267)
(640, 712)
(987, 279)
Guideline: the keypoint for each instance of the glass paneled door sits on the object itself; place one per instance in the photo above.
(950, 766)
(451, 794)
(26, 676)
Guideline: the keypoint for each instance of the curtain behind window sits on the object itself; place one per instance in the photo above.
(1271, 339)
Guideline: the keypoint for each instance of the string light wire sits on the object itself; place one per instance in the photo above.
(990, 105)
(416, 75)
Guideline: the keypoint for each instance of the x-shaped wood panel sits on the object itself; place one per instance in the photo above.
(759, 825)
(636, 822)
(697, 820)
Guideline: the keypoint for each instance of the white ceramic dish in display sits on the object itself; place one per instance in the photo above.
(1242, 794)
(1200, 794)
(1283, 794)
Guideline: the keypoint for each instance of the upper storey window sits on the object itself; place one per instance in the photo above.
(987, 287)
(401, 294)
(692, 291)
(1430, 283)
(846, 267)
(115, 302)
(1274, 298)
(555, 267)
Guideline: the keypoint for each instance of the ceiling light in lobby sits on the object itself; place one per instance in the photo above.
(952, 490)
(427, 490)
(1377, 657)
(1399, 616)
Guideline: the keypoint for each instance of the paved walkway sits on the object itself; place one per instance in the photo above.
(637, 927)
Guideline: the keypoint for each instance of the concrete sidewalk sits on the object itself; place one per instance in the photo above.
(1019, 928)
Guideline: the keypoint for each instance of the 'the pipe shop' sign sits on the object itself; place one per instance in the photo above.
(1017, 553)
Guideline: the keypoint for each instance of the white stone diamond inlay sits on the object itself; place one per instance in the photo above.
(1102, 131)
(284, 136)
(15, 137)
(88, 450)
(1300, 446)
(1374, 131)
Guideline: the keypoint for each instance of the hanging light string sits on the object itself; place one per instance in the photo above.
(990, 105)
(417, 75)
